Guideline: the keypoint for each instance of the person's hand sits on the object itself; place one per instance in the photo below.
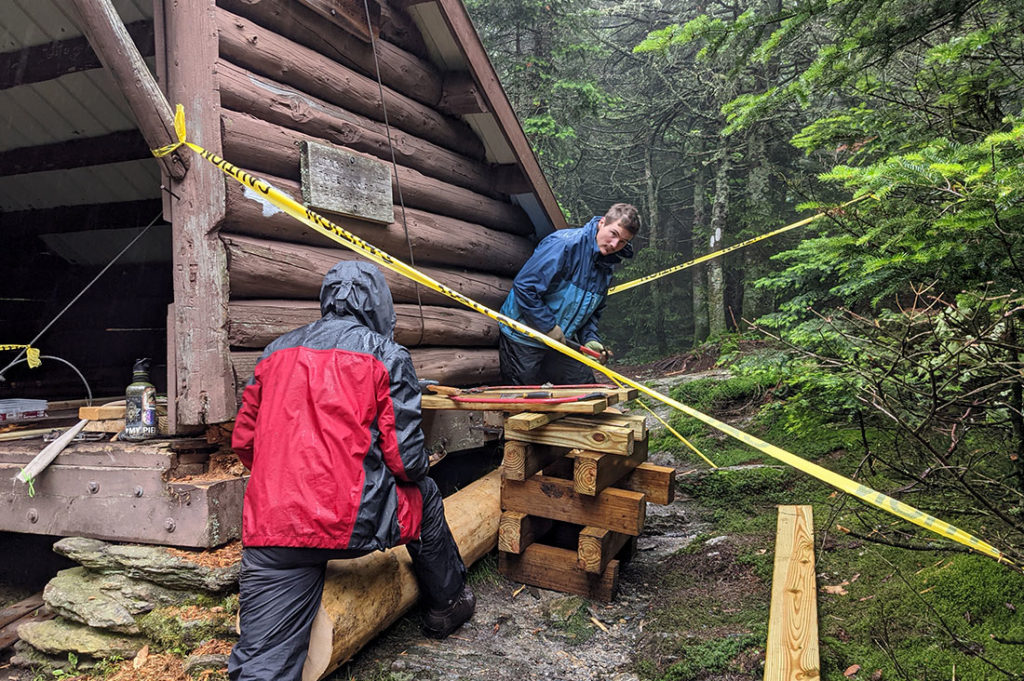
(597, 346)
(557, 334)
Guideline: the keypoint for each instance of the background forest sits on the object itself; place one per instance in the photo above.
(896, 318)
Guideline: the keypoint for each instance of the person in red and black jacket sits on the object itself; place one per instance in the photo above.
(330, 429)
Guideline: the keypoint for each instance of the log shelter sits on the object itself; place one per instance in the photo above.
(285, 89)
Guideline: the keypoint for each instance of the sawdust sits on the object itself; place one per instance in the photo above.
(163, 667)
(225, 556)
(215, 646)
(220, 466)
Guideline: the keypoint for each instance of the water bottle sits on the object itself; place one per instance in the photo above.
(140, 404)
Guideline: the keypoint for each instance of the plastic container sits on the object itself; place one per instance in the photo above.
(18, 409)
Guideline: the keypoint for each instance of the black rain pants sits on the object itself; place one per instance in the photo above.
(280, 589)
(526, 365)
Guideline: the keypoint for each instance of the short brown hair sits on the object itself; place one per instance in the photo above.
(626, 215)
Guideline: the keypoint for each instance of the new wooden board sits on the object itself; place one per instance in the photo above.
(530, 420)
(522, 459)
(552, 568)
(613, 509)
(593, 406)
(516, 531)
(592, 437)
(657, 483)
(597, 547)
(792, 650)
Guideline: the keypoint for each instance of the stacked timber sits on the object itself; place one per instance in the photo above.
(289, 77)
(574, 494)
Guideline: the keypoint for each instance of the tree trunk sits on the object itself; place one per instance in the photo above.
(657, 239)
(755, 302)
(716, 274)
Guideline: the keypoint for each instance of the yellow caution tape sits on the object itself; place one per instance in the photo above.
(678, 434)
(374, 254)
(728, 249)
(31, 353)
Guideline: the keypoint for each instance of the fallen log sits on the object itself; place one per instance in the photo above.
(254, 323)
(449, 366)
(269, 148)
(363, 597)
(260, 268)
(267, 53)
(433, 238)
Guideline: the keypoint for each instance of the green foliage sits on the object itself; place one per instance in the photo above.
(715, 655)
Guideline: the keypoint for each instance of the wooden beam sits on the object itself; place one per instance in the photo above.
(271, 149)
(294, 64)
(283, 105)
(254, 323)
(552, 568)
(461, 95)
(261, 268)
(455, 15)
(612, 509)
(592, 437)
(429, 235)
(113, 45)
(638, 424)
(40, 63)
(792, 650)
(657, 483)
(349, 15)
(29, 223)
(597, 547)
(521, 460)
(531, 420)
(594, 472)
(203, 385)
(516, 531)
(592, 406)
(115, 147)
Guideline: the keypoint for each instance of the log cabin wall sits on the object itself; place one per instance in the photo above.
(287, 75)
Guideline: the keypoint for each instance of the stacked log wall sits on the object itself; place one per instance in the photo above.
(286, 76)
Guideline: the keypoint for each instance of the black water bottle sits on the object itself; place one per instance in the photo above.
(140, 404)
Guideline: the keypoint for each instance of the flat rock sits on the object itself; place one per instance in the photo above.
(60, 636)
(106, 601)
(155, 564)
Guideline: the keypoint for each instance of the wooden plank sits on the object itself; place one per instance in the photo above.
(203, 386)
(792, 650)
(598, 547)
(20, 609)
(613, 509)
(516, 531)
(638, 424)
(593, 406)
(549, 567)
(530, 420)
(96, 454)
(657, 483)
(114, 410)
(522, 460)
(592, 437)
(597, 471)
(109, 38)
(104, 426)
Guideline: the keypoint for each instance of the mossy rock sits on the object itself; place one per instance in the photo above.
(183, 628)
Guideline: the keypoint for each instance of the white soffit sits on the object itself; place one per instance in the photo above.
(115, 182)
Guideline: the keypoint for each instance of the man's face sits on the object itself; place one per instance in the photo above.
(612, 237)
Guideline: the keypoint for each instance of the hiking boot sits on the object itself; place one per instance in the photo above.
(441, 622)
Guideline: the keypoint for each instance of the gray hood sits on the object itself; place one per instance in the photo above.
(357, 290)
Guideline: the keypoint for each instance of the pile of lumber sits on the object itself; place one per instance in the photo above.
(574, 494)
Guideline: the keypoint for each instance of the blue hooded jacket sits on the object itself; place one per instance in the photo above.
(564, 283)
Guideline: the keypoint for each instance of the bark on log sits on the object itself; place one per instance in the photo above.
(448, 366)
(259, 268)
(282, 105)
(433, 238)
(399, 69)
(269, 148)
(271, 55)
(254, 323)
(363, 597)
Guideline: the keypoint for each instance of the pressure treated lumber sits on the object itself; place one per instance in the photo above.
(400, 69)
(613, 509)
(282, 105)
(594, 472)
(657, 483)
(638, 424)
(105, 411)
(593, 437)
(597, 547)
(531, 420)
(553, 568)
(269, 54)
(592, 406)
(521, 459)
(254, 323)
(452, 366)
(517, 530)
(433, 238)
(262, 268)
(792, 650)
(363, 596)
(272, 149)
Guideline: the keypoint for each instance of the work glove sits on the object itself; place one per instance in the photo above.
(597, 346)
(557, 334)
